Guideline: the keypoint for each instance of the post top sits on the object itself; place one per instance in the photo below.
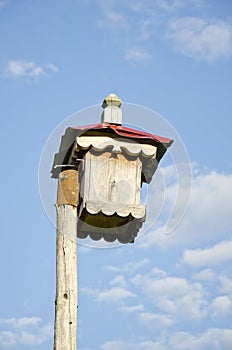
(111, 100)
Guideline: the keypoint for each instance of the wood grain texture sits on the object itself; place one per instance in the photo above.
(66, 276)
(113, 180)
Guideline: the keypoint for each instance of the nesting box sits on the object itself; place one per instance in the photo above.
(110, 187)
(113, 162)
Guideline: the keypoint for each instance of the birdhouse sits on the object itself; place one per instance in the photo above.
(113, 162)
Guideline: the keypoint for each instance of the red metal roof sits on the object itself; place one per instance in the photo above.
(126, 132)
(60, 159)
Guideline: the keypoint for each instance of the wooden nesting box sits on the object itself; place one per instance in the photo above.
(112, 161)
(110, 187)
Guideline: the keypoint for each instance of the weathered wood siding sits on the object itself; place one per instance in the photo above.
(111, 179)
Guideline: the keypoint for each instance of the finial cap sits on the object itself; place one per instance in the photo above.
(112, 100)
(112, 113)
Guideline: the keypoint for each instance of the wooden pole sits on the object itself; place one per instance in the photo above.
(66, 262)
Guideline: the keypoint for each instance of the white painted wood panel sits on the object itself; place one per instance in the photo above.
(118, 144)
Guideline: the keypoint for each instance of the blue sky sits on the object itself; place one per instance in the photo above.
(165, 292)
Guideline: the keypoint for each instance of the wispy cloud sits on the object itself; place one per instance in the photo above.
(205, 40)
(27, 332)
(111, 295)
(115, 294)
(134, 24)
(174, 5)
(215, 255)
(137, 55)
(154, 321)
(51, 67)
(27, 69)
(213, 338)
(119, 281)
(127, 23)
(129, 268)
(140, 345)
(21, 322)
(113, 20)
(134, 308)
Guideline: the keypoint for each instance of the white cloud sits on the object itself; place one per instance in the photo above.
(208, 217)
(221, 306)
(113, 295)
(137, 55)
(154, 321)
(137, 22)
(26, 331)
(140, 22)
(172, 287)
(175, 5)
(22, 322)
(170, 301)
(214, 339)
(7, 339)
(22, 68)
(164, 6)
(161, 7)
(111, 268)
(205, 275)
(27, 69)
(130, 268)
(134, 21)
(113, 20)
(119, 281)
(134, 308)
(226, 285)
(216, 255)
(201, 39)
(52, 68)
(173, 295)
(140, 345)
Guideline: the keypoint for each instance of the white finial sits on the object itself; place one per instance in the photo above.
(112, 113)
